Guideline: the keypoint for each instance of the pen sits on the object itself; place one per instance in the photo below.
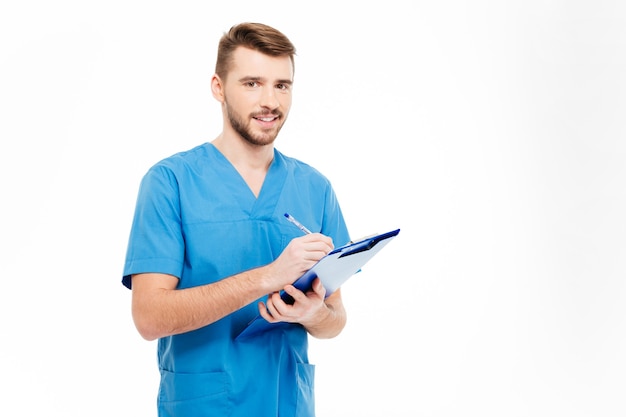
(297, 223)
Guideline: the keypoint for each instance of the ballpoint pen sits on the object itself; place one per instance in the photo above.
(297, 223)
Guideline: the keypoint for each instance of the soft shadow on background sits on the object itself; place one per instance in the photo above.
(492, 133)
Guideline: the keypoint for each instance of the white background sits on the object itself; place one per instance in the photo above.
(492, 133)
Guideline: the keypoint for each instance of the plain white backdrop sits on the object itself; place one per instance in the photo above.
(492, 133)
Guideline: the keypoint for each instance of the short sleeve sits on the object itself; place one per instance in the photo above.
(156, 242)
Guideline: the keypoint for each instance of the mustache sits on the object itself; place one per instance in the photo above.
(278, 114)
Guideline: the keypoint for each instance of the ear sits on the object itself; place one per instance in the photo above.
(217, 88)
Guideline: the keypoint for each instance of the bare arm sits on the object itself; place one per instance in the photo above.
(159, 309)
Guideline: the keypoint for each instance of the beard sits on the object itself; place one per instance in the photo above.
(243, 126)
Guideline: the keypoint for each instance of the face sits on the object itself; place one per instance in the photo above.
(257, 95)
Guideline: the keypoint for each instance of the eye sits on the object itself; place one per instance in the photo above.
(251, 84)
(283, 87)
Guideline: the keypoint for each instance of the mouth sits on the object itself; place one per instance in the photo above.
(266, 118)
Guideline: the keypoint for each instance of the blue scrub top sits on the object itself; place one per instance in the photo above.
(198, 220)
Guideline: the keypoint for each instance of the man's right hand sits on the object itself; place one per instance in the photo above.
(298, 257)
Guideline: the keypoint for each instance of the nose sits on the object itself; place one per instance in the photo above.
(269, 99)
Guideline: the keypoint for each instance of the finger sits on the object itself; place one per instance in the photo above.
(296, 294)
(318, 243)
(275, 306)
(284, 311)
(319, 288)
(264, 313)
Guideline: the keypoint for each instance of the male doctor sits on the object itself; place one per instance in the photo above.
(210, 249)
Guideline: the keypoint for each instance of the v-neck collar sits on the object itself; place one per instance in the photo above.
(264, 204)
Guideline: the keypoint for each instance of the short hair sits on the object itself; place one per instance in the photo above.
(255, 36)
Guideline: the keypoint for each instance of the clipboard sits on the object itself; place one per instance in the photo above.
(334, 269)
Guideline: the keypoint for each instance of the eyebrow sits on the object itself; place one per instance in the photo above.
(251, 78)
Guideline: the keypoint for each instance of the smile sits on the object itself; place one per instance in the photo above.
(267, 119)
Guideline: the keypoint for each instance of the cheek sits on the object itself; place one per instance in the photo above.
(285, 102)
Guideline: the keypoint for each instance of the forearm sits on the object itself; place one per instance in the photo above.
(160, 310)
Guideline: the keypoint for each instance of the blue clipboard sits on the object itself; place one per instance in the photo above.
(334, 269)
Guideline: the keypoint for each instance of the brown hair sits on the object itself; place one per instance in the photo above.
(256, 36)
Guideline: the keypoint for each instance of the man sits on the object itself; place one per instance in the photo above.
(210, 249)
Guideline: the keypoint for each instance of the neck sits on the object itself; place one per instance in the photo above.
(243, 154)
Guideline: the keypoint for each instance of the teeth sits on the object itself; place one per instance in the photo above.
(266, 119)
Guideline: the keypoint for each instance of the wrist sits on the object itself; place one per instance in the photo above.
(265, 279)
(322, 316)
